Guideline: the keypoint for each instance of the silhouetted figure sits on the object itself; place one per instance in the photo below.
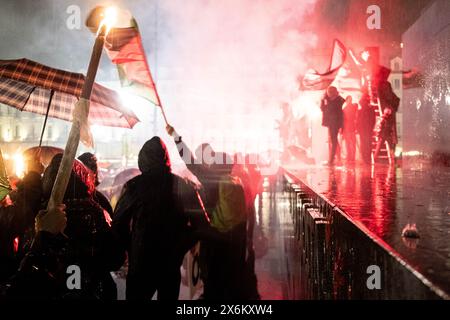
(226, 259)
(16, 220)
(349, 131)
(333, 119)
(388, 130)
(201, 166)
(90, 161)
(87, 243)
(365, 122)
(152, 220)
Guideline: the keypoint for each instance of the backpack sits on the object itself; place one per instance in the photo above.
(230, 209)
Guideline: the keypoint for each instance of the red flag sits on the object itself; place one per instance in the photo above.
(123, 45)
(313, 80)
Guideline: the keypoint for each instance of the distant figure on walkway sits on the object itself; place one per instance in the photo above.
(349, 131)
(365, 122)
(333, 119)
(387, 131)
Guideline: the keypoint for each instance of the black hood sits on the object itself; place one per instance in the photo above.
(81, 183)
(153, 157)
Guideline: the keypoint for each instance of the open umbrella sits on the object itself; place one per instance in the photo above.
(30, 86)
(125, 175)
(44, 154)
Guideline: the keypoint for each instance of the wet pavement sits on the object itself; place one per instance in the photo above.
(386, 199)
(273, 232)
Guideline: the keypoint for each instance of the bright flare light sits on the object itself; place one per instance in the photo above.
(109, 19)
(365, 55)
(19, 165)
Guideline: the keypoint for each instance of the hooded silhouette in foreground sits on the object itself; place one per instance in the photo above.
(152, 220)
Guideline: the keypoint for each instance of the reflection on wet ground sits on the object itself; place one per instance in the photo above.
(276, 254)
(385, 199)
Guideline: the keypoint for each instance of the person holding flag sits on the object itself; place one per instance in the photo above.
(123, 45)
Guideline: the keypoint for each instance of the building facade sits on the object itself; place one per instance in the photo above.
(426, 105)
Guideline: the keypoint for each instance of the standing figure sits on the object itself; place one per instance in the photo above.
(349, 131)
(333, 118)
(226, 259)
(90, 161)
(365, 122)
(387, 131)
(87, 243)
(152, 221)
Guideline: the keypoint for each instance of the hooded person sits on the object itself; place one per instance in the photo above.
(200, 163)
(17, 221)
(389, 102)
(88, 243)
(152, 220)
(226, 259)
(90, 161)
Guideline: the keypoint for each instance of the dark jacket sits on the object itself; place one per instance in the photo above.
(388, 99)
(365, 117)
(333, 116)
(154, 206)
(152, 221)
(208, 176)
(90, 245)
(16, 220)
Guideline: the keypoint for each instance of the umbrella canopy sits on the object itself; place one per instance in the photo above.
(125, 175)
(29, 86)
(45, 154)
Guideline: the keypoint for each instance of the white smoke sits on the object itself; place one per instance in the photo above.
(224, 68)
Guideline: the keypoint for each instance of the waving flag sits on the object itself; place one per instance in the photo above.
(313, 80)
(124, 47)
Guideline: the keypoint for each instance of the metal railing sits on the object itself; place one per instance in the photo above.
(335, 253)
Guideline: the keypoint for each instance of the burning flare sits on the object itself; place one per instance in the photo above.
(109, 20)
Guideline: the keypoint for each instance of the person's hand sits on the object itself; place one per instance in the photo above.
(53, 220)
(170, 129)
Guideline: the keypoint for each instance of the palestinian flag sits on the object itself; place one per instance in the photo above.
(314, 80)
(123, 45)
(5, 187)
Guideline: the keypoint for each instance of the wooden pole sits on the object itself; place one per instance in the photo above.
(65, 168)
(153, 81)
(52, 92)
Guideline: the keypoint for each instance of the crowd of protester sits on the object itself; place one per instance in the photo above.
(343, 117)
(158, 218)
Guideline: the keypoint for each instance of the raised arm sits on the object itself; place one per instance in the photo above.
(184, 151)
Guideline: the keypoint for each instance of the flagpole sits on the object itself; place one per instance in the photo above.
(161, 106)
(153, 82)
(81, 110)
